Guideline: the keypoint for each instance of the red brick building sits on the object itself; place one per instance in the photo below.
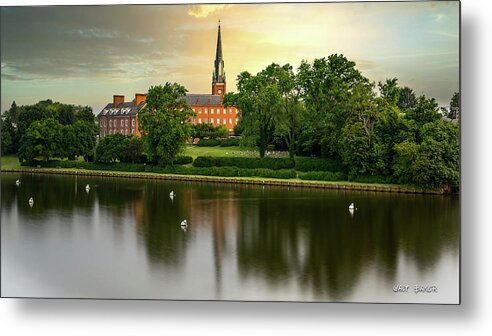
(122, 117)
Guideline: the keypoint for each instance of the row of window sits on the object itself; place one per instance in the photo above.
(112, 131)
(212, 111)
(114, 123)
(217, 121)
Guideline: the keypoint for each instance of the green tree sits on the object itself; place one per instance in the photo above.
(406, 99)
(258, 98)
(327, 86)
(132, 150)
(454, 106)
(390, 91)
(30, 113)
(9, 140)
(69, 142)
(110, 148)
(86, 138)
(163, 122)
(435, 161)
(360, 149)
(84, 113)
(290, 108)
(42, 138)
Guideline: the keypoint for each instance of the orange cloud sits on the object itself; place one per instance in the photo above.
(202, 11)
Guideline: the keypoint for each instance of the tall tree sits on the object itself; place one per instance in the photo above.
(163, 122)
(42, 138)
(258, 98)
(407, 99)
(291, 107)
(327, 86)
(390, 91)
(454, 106)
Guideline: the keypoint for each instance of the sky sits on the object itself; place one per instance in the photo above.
(84, 55)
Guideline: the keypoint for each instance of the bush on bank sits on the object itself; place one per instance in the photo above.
(204, 171)
(228, 142)
(244, 162)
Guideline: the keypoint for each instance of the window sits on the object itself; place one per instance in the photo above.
(199, 120)
(199, 111)
(218, 121)
(121, 123)
(133, 131)
(224, 111)
(126, 123)
(212, 111)
(206, 110)
(230, 120)
(230, 111)
(100, 123)
(133, 122)
(111, 123)
(224, 121)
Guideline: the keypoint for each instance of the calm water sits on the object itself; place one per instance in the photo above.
(123, 239)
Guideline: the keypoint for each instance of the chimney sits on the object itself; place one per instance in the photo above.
(117, 100)
(140, 97)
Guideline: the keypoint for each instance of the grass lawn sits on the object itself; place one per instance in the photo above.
(10, 162)
(195, 151)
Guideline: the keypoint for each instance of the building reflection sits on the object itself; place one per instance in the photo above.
(264, 235)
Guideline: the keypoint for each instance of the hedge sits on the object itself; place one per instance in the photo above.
(373, 179)
(244, 162)
(323, 176)
(182, 160)
(305, 164)
(206, 171)
(218, 142)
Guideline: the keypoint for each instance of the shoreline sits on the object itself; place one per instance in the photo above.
(351, 186)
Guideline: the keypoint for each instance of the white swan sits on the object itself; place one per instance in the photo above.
(352, 207)
(17, 183)
(31, 202)
(171, 195)
(184, 223)
(87, 188)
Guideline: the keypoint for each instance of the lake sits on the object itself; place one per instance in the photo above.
(123, 239)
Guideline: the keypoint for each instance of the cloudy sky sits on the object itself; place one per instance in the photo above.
(85, 54)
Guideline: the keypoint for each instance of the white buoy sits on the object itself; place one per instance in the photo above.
(87, 188)
(17, 183)
(184, 223)
(31, 202)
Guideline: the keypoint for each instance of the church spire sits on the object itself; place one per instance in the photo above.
(218, 77)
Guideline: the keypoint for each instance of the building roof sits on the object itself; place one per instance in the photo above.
(123, 109)
(130, 109)
(203, 100)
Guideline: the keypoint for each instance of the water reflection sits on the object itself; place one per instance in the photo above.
(300, 242)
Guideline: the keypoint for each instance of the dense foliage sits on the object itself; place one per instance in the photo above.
(163, 123)
(244, 162)
(327, 108)
(48, 130)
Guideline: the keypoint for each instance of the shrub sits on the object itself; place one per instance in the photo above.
(244, 162)
(305, 164)
(323, 176)
(208, 142)
(228, 142)
(182, 160)
(373, 179)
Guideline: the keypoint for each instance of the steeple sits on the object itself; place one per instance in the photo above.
(218, 76)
